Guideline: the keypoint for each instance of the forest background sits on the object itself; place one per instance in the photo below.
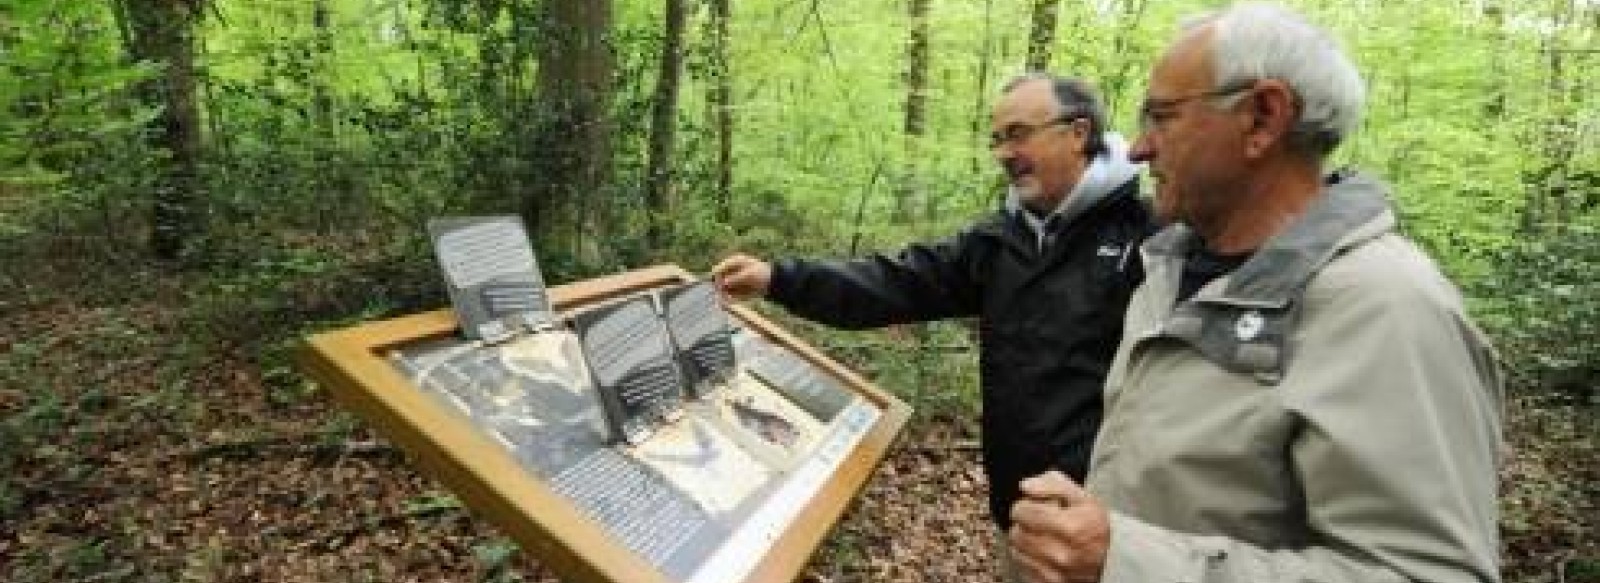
(189, 187)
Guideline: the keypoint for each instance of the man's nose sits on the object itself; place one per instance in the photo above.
(1001, 151)
(1142, 150)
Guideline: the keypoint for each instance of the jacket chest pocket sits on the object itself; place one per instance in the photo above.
(1182, 409)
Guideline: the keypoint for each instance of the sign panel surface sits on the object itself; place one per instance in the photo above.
(654, 435)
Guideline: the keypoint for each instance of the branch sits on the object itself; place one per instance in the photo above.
(945, 446)
(291, 446)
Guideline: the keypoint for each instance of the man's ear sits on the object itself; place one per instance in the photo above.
(1080, 133)
(1273, 110)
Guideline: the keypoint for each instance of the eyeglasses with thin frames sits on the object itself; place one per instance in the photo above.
(1154, 113)
(1017, 133)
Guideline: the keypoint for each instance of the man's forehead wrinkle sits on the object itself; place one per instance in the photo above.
(1030, 102)
(1186, 66)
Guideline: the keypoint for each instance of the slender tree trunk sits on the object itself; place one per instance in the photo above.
(163, 33)
(331, 176)
(1495, 107)
(574, 99)
(1042, 37)
(980, 106)
(722, 101)
(664, 122)
(912, 187)
(1560, 133)
(119, 12)
(1119, 82)
(1400, 160)
(917, 57)
(321, 104)
(217, 145)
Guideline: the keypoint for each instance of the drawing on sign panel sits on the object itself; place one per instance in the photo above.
(769, 426)
(765, 422)
(706, 463)
(531, 394)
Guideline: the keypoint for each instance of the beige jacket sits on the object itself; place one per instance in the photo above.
(1324, 413)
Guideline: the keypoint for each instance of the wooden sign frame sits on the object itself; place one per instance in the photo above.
(351, 363)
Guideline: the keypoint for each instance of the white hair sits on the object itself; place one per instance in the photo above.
(1252, 41)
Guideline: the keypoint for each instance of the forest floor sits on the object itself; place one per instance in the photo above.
(152, 428)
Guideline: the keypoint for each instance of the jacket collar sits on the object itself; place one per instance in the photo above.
(1009, 229)
(1104, 175)
(1352, 209)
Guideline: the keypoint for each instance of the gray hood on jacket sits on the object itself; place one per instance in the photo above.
(1105, 174)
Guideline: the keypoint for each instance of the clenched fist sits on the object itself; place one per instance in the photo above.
(1059, 533)
(742, 277)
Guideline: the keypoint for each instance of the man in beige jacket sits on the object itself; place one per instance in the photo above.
(1298, 395)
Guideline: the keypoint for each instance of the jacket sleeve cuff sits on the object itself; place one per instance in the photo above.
(1142, 553)
(785, 275)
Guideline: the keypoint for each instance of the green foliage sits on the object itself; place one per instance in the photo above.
(432, 502)
(495, 556)
(328, 147)
(394, 112)
(1543, 302)
(70, 129)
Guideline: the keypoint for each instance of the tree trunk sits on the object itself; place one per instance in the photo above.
(163, 33)
(1119, 82)
(980, 105)
(722, 100)
(916, 122)
(1495, 106)
(574, 97)
(321, 103)
(335, 211)
(664, 122)
(1561, 132)
(1043, 35)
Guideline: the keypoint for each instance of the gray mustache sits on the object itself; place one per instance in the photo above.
(1016, 168)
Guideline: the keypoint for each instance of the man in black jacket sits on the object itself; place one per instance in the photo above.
(1048, 277)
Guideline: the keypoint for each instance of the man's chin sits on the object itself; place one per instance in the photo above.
(1026, 190)
(1166, 205)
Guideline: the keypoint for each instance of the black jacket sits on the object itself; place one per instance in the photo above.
(1049, 322)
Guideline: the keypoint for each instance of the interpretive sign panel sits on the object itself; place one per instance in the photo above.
(644, 432)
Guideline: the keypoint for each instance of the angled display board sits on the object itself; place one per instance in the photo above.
(492, 276)
(630, 428)
(703, 334)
